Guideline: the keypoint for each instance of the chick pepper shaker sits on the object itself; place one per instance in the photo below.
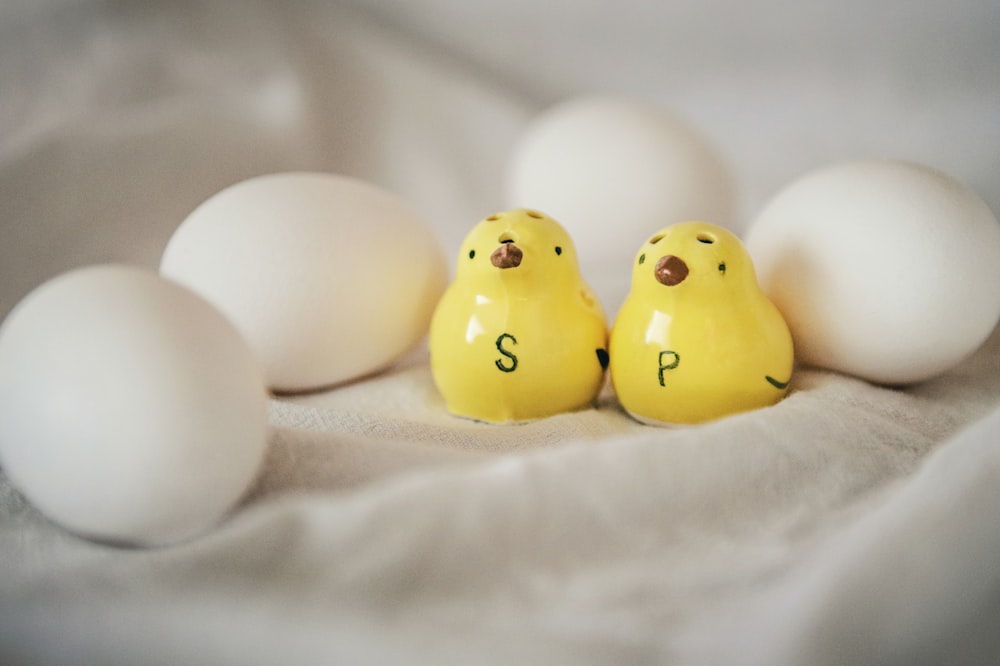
(696, 339)
(518, 335)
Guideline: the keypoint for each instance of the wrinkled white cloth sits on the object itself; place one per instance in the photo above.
(850, 523)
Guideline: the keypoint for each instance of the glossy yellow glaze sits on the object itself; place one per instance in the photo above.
(700, 341)
(517, 342)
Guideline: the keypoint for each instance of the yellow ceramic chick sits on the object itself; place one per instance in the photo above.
(696, 339)
(518, 335)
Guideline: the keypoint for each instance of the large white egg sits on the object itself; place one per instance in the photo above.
(328, 277)
(130, 409)
(886, 270)
(613, 170)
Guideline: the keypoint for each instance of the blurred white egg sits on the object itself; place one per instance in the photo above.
(329, 278)
(130, 409)
(613, 170)
(886, 270)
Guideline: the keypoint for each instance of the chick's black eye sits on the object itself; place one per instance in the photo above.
(642, 259)
(722, 268)
(472, 254)
(558, 250)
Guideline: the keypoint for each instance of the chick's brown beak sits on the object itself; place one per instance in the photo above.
(670, 270)
(507, 255)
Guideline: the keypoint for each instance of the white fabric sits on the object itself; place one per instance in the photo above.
(849, 524)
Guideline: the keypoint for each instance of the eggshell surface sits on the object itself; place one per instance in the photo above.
(329, 278)
(612, 169)
(130, 409)
(886, 270)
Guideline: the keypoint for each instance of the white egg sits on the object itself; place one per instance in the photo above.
(329, 278)
(613, 170)
(886, 270)
(130, 409)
